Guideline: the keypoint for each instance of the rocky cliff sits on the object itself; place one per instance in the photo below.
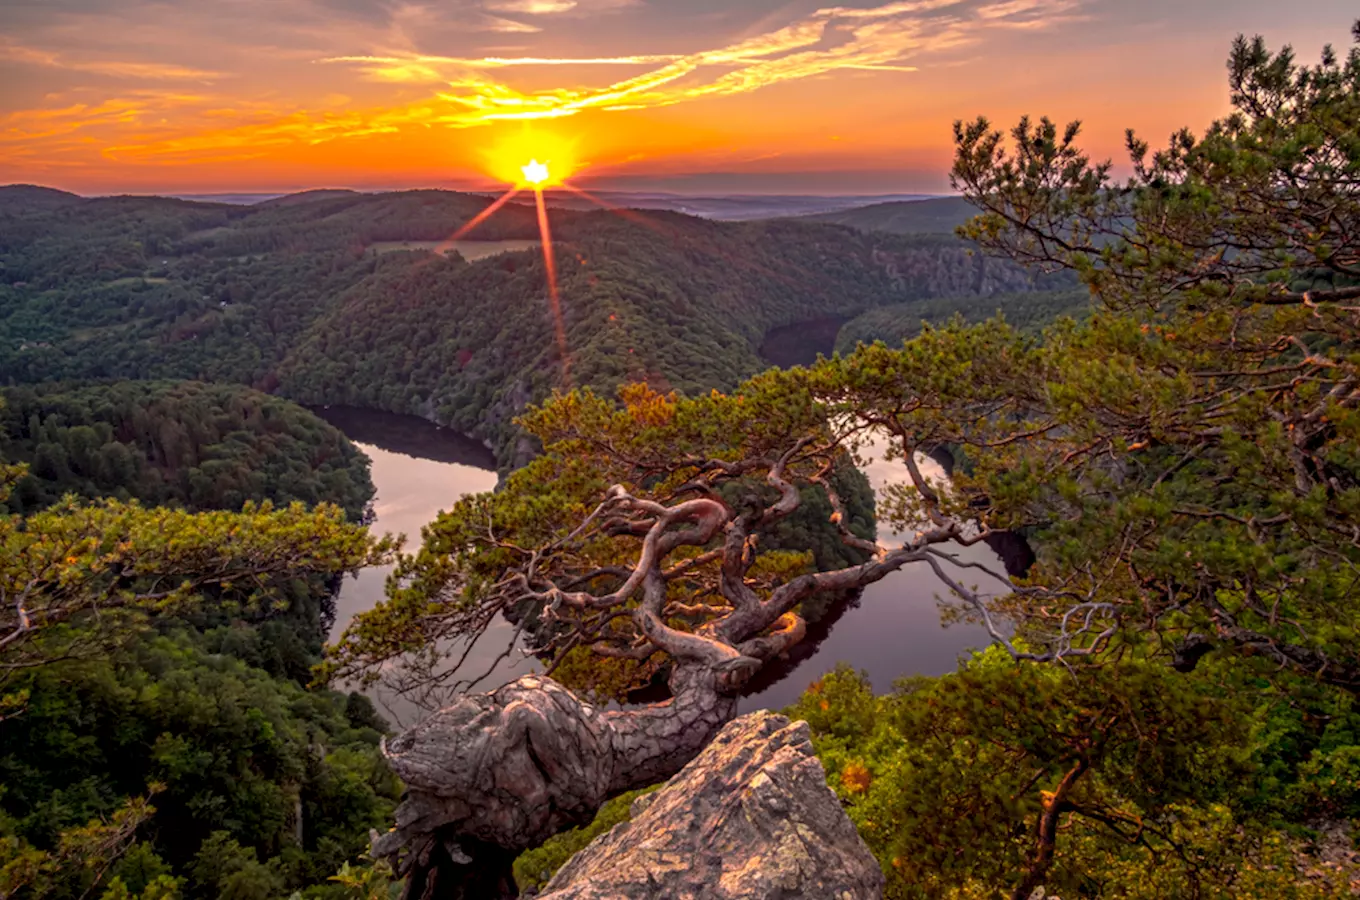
(750, 818)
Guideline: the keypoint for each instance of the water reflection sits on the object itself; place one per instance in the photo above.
(893, 629)
(419, 469)
(801, 343)
(412, 437)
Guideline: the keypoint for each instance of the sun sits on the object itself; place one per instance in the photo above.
(535, 172)
(531, 157)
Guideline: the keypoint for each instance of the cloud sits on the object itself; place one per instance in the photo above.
(532, 7)
(151, 71)
(508, 26)
(452, 91)
(879, 39)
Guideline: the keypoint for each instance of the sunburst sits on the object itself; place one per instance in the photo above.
(548, 166)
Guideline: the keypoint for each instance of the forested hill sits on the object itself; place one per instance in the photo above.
(296, 299)
(940, 215)
(1030, 311)
(187, 444)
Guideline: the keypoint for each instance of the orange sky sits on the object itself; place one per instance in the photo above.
(103, 96)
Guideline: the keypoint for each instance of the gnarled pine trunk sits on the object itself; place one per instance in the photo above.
(495, 774)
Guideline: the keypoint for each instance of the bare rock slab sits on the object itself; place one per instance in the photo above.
(750, 818)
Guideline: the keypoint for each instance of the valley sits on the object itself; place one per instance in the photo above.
(422, 361)
(288, 298)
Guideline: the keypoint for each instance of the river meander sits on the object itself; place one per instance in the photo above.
(419, 469)
(892, 630)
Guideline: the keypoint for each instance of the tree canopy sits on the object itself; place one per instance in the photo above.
(187, 444)
(151, 714)
(1183, 460)
(1192, 454)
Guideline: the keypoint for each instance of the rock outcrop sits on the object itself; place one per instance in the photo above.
(750, 818)
(494, 774)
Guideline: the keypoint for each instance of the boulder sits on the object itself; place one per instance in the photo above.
(750, 818)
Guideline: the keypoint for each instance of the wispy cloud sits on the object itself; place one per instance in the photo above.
(119, 125)
(883, 38)
(532, 7)
(131, 69)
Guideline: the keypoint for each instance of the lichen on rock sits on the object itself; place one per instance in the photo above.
(751, 818)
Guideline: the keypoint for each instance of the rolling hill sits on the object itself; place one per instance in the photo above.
(939, 215)
(292, 299)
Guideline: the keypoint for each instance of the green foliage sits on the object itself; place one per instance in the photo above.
(1195, 442)
(947, 779)
(81, 574)
(76, 861)
(534, 868)
(223, 868)
(176, 444)
(142, 873)
(109, 694)
(250, 768)
(1029, 312)
(366, 882)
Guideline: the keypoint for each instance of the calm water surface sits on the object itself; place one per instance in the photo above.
(419, 470)
(892, 630)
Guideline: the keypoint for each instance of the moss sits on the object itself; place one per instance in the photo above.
(534, 868)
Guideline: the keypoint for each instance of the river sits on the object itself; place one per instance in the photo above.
(419, 469)
(892, 630)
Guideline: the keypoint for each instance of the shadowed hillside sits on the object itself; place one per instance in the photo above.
(940, 215)
(294, 299)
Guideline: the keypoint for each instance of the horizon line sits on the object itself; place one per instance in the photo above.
(698, 193)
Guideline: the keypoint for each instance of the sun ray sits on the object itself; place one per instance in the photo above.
(550, 263)
(629, 214)
(477, 220)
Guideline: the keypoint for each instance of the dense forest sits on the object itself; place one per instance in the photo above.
(939, 215)
(898, 322)
(258, 786)
(289, 298)
(196, 445)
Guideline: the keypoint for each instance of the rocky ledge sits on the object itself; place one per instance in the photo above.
(750, 818)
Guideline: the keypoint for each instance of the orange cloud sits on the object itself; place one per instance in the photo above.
(829, 40)
(112, 68)
(532, 7)
(121, 129)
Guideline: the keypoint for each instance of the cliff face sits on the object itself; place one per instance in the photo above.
(751, 818)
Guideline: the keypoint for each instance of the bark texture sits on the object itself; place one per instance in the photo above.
(751, 818)
(495, 774)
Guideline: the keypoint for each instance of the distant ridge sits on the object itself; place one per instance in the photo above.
(854, 210)
(940, 215)
(229, 199)
(32, 197)
(308, 197)
(734, 207)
